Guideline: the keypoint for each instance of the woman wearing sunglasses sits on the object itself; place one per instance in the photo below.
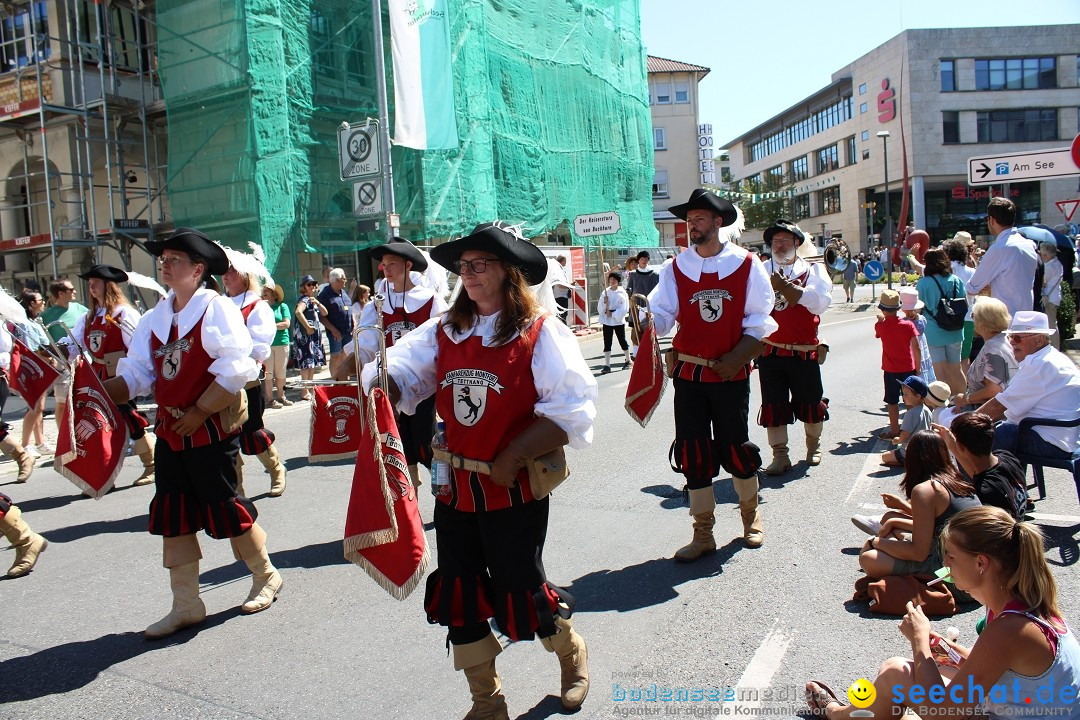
(307, 333)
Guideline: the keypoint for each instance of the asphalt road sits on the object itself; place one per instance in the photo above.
(335, 645)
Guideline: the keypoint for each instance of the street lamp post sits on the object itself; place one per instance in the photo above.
(884, 135)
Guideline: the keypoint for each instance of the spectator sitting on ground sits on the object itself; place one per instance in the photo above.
(917, 417)
(993, 367)
(937, 397)
(906, 542)
(1046, 385)
(1025, 644)
(998, 477)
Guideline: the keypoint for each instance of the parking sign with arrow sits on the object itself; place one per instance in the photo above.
(1015, 167)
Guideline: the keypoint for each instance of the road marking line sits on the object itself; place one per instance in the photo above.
(873, 462)
(877, 507)
(763, 665)
(841, 322)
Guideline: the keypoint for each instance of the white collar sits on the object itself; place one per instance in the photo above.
(1037, 355)
(161, 318)
(795, 269)
(1004, 234)
(242, 301)
(691, 264)
(484, 326)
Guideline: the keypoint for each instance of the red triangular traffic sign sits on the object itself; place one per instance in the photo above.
(1067, 208)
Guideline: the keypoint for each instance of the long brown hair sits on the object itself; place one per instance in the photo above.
(520, 308)
(1018, 546)
(113, 297)
(927, 458)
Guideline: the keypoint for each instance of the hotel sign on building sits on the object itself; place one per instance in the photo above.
(943, 96)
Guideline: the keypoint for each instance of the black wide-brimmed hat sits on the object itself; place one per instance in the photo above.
(105, 272)
(508, 247)
(403, 249)
(785, 226)
(702, 199)
(193, 242)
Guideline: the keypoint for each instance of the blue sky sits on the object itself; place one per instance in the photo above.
(766, 55)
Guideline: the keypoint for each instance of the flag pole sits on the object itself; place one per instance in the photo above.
(384, 119)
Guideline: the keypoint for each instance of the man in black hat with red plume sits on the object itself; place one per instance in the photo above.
(720, 296)
(789, 369)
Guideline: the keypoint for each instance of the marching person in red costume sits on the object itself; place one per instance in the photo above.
(510, 383)
(720, 296)
(406, 306)
(105, 332)
(789, 372)
(9, 444)
(245, 290)
(194, 352)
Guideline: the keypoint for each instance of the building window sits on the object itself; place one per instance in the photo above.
(776, 172)
(660, 184)
(948, 75)
(24, 37)
(862, 108)
(950, 127)
(852, 153)
(829, 200)
(659, 139)
(1016, 74)
(865, 154)
(822, 120)
(802, 207)
(865, 135)
(798, 169)
(828, 159)
(682, 92)
(862, 89)
(725, 174)
(1017, 125)
(663, 93)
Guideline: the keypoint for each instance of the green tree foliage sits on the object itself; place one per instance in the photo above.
(763, 200)
(1066, 314)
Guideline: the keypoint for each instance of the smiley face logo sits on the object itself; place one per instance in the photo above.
(862, 693)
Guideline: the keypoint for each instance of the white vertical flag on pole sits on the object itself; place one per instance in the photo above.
(423, 75)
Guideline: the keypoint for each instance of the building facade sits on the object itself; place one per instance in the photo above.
(944, 95)
(682, 147)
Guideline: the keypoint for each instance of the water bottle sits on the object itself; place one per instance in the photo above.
(440, 470)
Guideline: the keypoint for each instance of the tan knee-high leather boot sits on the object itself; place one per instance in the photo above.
(753, 529)
(702, 506)
(266, 581)
(272, 462)
(477, 660)
(573, 656)
(14, 449)
(145, 451)
(778, 441)
(27, 543)
(181, 555)
(813, 442)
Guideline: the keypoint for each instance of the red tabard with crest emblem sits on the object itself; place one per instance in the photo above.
(710, 319)
(486, 396)
(102, 337)
(397, 322)
(183, 374)
(798, 326)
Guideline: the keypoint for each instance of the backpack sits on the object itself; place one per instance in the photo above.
(950, 311)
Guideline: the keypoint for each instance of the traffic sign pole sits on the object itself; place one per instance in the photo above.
(384, 119)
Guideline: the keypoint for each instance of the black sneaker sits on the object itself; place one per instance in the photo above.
(606, 370)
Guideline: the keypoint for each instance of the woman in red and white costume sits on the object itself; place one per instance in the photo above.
(105, 332)
(406, 305)
(245, 290)
(510, 383)
(194, 352)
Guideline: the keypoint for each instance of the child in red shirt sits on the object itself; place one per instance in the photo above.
(899, 348)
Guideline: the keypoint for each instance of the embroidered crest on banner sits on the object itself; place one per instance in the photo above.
(341, 409)
(172, 355)
(471, 393)
(95, 415)
(95, 338)
(710, 303)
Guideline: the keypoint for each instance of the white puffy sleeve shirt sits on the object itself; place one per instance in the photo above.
(565, 387)
(367, 341)
(817, 293)
(261, 324)
(224, 337)
(757, 313)
(126, 316)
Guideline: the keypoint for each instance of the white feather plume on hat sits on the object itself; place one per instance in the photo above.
(249, 264)
(143, 281)
(733, 231)
(11, 309)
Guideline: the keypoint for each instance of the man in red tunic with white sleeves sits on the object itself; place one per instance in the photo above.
(788, 370)
(193, 350)
(720, 296)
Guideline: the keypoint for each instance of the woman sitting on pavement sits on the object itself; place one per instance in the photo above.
(995, 364)
(905, 543)
(1025, 648)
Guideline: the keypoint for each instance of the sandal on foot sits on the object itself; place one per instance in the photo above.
(819, 701)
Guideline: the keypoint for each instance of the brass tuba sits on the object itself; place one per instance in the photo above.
(837, 255)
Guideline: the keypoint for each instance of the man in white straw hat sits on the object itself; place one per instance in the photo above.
(1047, 385)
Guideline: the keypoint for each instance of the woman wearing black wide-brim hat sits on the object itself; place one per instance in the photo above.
(510, 385)
(193, 352)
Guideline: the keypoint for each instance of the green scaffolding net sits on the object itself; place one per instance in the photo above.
(551, 103)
